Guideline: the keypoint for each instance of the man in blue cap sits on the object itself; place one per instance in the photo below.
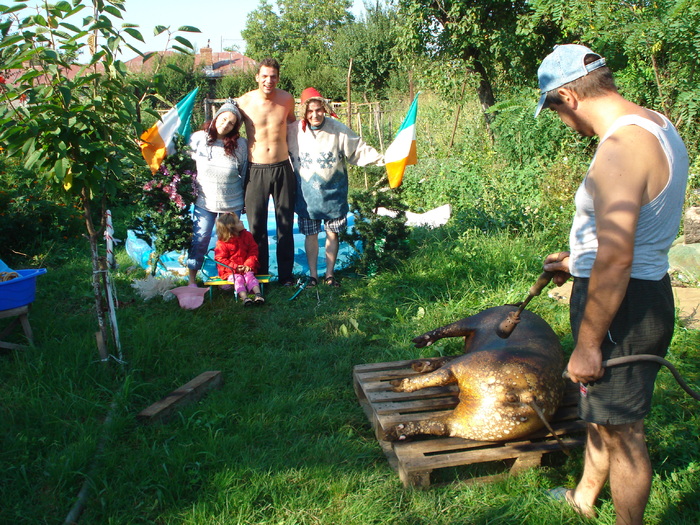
(628, 210)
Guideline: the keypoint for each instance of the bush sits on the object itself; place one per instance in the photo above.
(32, 220)
(235, 85)
(522, 139)
(162, 217)
(380, 241)
(494, 197)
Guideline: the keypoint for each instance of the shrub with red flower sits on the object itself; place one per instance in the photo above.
(163, 217)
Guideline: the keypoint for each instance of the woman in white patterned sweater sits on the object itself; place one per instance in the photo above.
(221, 155)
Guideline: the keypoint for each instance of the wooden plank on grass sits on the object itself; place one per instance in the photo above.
(162, 410)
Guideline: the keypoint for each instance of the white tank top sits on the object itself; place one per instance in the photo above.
(658, 220)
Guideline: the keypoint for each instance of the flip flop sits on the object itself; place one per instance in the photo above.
(557, 494)
(562, 495)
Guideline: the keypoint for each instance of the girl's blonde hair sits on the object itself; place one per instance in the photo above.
(226, 226)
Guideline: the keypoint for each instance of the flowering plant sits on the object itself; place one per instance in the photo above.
(163, 217)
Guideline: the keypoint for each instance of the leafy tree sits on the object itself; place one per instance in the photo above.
(482, 33)
(73, 125)
(311, 66)
(263, 33)
(235, 85)
(370, 44)
(299, 24)
(653, 47)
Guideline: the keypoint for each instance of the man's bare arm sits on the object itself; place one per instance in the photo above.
(289, 104)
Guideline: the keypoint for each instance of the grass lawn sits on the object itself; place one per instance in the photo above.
(284, 441)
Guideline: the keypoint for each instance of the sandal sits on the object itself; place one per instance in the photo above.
(331, 281)
(564, 495)
(247, 302)
(259, 299)
(288, 282)
(311, 282)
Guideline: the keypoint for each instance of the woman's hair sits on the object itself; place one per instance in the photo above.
(596, 83)
(230, 139)
(226, 226)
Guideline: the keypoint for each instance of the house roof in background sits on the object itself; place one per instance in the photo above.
(215, 64)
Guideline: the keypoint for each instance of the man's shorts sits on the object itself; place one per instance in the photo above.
(313, 226)
(643, 325)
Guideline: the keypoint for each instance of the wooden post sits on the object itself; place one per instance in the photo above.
(377, 117)
(459, 109)
(369, 111)
(349, 96)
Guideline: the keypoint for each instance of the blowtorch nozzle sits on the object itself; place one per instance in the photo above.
(509, 323)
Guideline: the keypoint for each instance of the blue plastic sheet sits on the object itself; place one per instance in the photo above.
(173, 263)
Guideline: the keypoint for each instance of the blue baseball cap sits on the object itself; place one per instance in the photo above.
(563, 65)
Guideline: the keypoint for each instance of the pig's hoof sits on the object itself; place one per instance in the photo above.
(422, 341)
(397, 385)
(395, 433)
(421, 367)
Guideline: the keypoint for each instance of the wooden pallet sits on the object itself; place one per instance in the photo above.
(414, 460)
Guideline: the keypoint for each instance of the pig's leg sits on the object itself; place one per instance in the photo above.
(441, 377)
(464, 327)
(429, 365)
(438, 426)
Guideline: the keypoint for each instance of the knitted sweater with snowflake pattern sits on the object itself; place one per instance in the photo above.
(320, 157)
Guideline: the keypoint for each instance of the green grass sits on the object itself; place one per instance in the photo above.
(284, 441)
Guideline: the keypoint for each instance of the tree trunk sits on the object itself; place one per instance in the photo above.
(485, 93)
(97, 281)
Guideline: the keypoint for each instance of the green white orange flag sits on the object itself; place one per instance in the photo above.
(402, 152)
(157, 142)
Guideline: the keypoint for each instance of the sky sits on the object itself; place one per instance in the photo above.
(220, 22)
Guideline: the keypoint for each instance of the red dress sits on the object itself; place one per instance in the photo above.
(241, 250)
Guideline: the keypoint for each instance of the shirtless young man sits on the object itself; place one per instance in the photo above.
(628, 210)
(266, 113)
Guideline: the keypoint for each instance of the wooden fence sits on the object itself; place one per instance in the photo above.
(367, 119)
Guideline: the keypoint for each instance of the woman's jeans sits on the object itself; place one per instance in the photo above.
(204, 222)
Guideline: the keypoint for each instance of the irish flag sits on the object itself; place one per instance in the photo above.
(402, 152)
(157, 142)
